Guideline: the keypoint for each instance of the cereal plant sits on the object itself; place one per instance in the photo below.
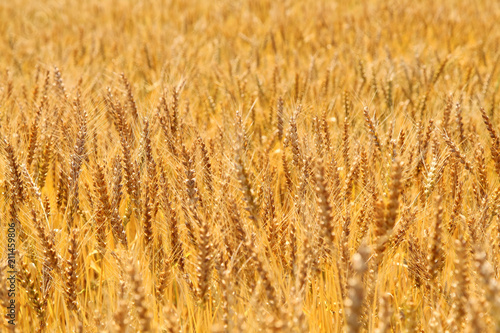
(249, 166)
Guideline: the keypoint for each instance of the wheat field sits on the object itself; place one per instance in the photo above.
(249, 166)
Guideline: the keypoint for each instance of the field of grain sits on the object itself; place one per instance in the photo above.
(249, 166)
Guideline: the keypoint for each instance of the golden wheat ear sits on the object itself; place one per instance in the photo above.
(356, 293)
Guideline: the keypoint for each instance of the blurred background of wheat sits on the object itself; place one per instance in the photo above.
(276, 166)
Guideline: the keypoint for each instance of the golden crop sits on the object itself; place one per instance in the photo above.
(247, 166)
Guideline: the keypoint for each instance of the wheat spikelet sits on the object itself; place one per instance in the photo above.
(371, 129)
(326, 219)
(139, 298)
(354, 302)
(77, 159)
(454, 149)
(436, 256)
(204, 262)
(71, 272)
